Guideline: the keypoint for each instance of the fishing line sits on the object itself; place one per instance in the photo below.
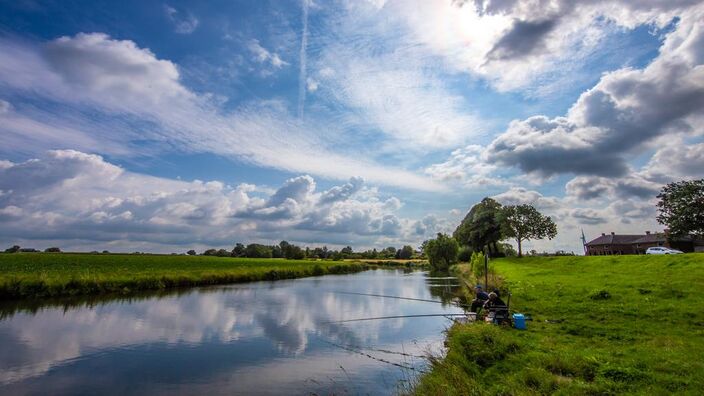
(448, 315)
(399, 298)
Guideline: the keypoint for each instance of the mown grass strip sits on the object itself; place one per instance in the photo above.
(602, 325)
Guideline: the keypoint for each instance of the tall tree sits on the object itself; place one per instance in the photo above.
(481, 228)
(681, 207)
(524, 222)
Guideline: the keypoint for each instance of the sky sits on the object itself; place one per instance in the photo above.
(165, 126)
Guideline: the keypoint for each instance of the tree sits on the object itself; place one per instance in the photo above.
(210, 252)
(524, 222)
(441, 251)
(255, 250)
(52, 250)
(405, 253)
(222, 253)
(481, 228)
(13, 249)
(191, 252)
(681, 207)
(238, 250)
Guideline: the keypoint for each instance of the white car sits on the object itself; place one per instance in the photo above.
(662, 250)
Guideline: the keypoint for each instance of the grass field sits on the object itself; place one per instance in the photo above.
(601, 325)
(41, 275)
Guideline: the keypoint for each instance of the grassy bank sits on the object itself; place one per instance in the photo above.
(602, 325)
(42, 275)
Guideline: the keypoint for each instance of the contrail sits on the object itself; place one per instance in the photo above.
(302, 68)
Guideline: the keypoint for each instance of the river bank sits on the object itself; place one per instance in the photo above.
(601, 325)
(49, 275)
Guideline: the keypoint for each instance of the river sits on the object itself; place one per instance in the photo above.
(263, 338)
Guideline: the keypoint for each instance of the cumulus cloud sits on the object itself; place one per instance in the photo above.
(467, 165)
(523, 196)
(69, 195)
(618, 118)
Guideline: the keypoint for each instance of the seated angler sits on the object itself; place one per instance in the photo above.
(480, 298)
(495, 307)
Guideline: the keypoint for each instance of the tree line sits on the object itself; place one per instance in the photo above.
(291, 251)
(485, 226)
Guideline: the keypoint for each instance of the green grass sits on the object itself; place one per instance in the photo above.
(45, 275)
(601, 325)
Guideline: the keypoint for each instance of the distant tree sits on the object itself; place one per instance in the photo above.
(222, 253)
(13, 249)
(210, 252)
(276, 251)
(105, 252)
(52, 250)
(681, 207)
(481, 228)
(405, 253)
(29, 250)
(389, 252)
(441, 251)
(507, 250)
(255, 250)
(524, 223)
(238, 250)
(191, 252)
(346, 251)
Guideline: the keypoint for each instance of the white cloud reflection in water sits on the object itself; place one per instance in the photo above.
(258, 338)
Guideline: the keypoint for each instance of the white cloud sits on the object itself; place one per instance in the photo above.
(127, 83)
(262, 55)
(71, 196)
(513, 46)
(183, 24)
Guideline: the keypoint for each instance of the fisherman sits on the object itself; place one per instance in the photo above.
(481, 298)
(497, 309)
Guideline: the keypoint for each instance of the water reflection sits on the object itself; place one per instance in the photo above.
(258, 338)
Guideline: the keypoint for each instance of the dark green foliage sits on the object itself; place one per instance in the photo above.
(405, 253)
(13, 249)
(465, 254)
(441, 251)
(191, 252)
(480, 228)
(524, 223)
(681, 207)
(52, 250)
(255, 250)
(210, 252)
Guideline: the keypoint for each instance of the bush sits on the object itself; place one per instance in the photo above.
(465, 254)
(441, 252)
(52, 250)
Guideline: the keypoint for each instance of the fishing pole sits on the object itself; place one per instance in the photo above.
(401, 298)
(396, 317)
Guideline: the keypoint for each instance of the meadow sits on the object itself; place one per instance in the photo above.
(600, 325)
(45, 275)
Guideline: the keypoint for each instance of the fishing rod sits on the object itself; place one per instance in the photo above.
(448, 315)
(401, 298)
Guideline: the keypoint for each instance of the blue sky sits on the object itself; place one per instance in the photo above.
(165, 125)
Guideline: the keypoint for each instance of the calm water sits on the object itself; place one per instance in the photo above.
(257, 338)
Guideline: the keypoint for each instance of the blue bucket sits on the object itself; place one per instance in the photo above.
(519, 321)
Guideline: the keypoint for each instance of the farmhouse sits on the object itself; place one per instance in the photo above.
(610, 244)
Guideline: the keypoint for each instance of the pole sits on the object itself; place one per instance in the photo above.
(486, 272)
